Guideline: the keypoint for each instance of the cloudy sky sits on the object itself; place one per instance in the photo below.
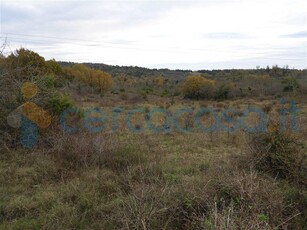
(208, 34)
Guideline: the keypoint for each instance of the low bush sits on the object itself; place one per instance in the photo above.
(50, 81)
(58, 103)
(279, 154)
(222, 93)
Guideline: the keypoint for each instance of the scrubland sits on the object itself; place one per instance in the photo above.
(141, 179)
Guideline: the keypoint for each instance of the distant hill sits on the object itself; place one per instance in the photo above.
(135, 71)
(179, 74)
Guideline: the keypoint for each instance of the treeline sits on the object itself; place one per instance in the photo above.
(134, 71)
(229, 83)
(274, 71)
(202, 86)
(179, 74)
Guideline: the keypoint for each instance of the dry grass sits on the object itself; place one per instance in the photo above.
(140, 181)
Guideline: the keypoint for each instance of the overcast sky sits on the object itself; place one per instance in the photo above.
(208, 34)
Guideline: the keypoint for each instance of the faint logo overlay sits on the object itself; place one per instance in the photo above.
(29, 117)
(229, 120)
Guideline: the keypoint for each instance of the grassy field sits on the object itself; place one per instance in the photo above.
(124, 180)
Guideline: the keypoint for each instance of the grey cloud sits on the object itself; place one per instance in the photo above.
(80, 20)
(64, 14)
(301, 34)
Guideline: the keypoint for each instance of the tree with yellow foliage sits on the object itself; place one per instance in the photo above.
(96, 78)
(101, 79)
(197, 87)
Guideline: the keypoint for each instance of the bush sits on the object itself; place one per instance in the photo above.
(58, 103)
(54, 67)
(50, 81)
(27, 63)
(222, 93)
(197, 87)
(279, 154)
(291, 84)
(20, 68)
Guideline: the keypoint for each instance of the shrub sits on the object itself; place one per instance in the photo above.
(196, 87)
(20, 68)
(279, 154)
(50, 81)
(222, 93)
(58, 103)
(54, 67)
(27, 63)
(291, 84)
(165, 93)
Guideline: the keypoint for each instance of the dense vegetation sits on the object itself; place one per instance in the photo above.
(269, 81)
(147, 180)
